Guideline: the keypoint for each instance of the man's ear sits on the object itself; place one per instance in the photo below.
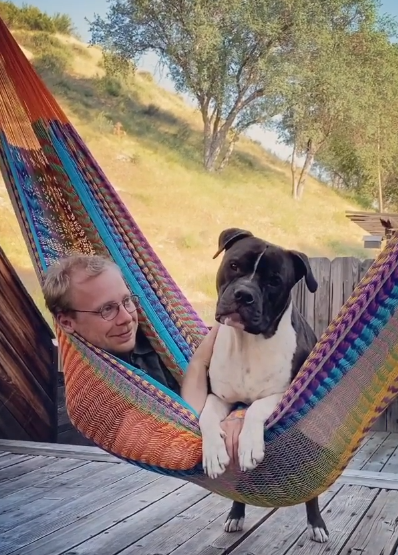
(66, 322)
(302, 269)
(230, 236)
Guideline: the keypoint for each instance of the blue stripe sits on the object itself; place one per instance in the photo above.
(109, 242)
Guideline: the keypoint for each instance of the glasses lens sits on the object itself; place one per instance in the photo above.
(131, 303)
(109, 312)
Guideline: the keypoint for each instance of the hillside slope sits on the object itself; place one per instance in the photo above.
(156, 168)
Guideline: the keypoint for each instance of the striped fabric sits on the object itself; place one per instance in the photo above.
(65, 203)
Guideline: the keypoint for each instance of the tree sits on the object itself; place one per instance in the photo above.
(378, 148)
(363, 151)
(323, 89)
(217, 50)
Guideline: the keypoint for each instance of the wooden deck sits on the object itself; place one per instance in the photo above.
(78, 500)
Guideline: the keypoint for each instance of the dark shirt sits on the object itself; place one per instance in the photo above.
(146, 359)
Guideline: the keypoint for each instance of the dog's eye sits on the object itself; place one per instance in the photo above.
(234, 266)
(274, 281)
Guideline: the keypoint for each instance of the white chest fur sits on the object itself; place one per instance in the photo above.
(246, 367)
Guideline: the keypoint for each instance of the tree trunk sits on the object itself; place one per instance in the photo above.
(228, 153)
(293, 170)
(215, 137)
(214, 145)
(379, 179)
(309, 160)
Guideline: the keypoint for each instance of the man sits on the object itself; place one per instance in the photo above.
(88, 296)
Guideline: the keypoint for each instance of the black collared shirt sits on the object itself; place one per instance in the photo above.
(145, 358)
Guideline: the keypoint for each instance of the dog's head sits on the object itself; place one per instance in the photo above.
(255, 279)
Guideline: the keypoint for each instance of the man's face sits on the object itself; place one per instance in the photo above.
(116, 336)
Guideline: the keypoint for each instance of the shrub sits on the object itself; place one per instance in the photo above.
(53, 61)
(31, 18)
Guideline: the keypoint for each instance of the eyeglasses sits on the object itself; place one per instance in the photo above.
(110, 310)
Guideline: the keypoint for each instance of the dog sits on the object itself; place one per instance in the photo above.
(261, 343)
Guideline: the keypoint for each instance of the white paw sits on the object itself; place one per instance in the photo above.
(316, 534)
(251, 450)
(215, 456)
(234, 524)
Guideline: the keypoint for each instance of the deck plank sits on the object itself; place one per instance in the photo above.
(368, 449)
(343, 514)
(36, 477)
(380, 457)
(24, 467)
(278, 532)
(392, 463)
(56, 496)
(10, 459)
(284, 533)
(53, 533)
(86, 452)
(142, 520)
(377, 533)
(213, 540)
(186, 528)
(61, 505)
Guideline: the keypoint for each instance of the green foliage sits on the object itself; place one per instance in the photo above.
(42, 42)
(53, 61)
(116, 65)
(324, 81)
(363, 153)
(110, 85)
(63, 24)
(50, 54)
(31, 18)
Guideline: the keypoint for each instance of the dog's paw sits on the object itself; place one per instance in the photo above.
(234, 524)
(318, 534)
(251, 450)
(215, 456)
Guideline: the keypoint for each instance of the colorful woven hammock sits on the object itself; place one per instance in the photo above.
(65, 203)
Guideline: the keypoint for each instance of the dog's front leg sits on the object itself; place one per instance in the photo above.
(251, 439)
(215, 457)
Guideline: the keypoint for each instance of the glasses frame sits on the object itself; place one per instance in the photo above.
(133, 298)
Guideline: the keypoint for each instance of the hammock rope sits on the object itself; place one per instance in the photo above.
(64, 203)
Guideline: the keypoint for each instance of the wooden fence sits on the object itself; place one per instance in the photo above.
(336, 281)
(28, 369)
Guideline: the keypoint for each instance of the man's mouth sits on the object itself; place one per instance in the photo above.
(125, 335)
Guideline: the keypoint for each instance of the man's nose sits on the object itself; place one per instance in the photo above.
(124, 316)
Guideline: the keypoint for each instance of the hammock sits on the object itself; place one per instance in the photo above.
(64, 203)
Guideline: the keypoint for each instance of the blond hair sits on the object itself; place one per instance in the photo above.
(57, 282)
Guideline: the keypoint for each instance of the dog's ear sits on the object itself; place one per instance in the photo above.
(303, 269)
(229, 236)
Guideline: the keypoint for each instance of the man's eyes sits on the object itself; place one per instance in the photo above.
(108, 307)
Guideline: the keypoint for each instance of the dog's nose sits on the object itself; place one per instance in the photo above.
(243, 295)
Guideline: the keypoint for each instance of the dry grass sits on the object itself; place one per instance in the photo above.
(156, 168)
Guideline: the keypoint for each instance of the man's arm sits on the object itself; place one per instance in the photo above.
(194, 388)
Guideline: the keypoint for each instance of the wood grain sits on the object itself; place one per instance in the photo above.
(28, 380)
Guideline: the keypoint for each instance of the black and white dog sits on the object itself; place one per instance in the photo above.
(260, 346)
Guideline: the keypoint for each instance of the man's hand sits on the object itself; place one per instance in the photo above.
(232, 428)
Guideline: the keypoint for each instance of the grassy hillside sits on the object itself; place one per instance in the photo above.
(156, 168)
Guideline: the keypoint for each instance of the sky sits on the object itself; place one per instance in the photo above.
(81, 9)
